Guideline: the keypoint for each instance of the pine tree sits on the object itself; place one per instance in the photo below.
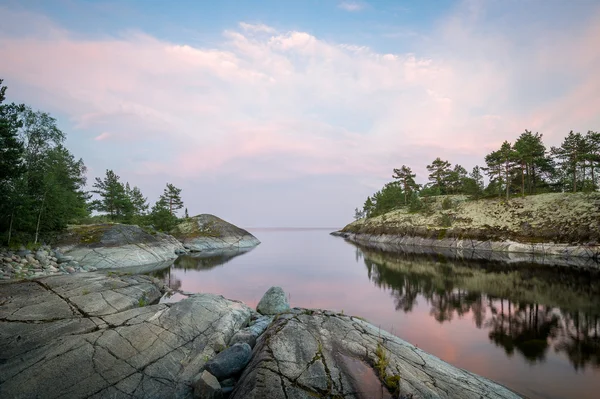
(161, 216)
(571, 154)
(407, 178)
(531, 156)
(439, 172)
(138, 201)
(593, 154)
(113, 197)
(172, 198)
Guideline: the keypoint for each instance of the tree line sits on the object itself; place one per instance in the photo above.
(525, 167)
(43, 185)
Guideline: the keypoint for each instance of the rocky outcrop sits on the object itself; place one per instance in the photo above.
(557, 224)
(208, 233)
(583, 256)
(307, 354)
(109, 246)
(92, 335)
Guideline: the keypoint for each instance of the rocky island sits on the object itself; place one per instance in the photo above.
(116, 246)
(95, 335)
(556, 224)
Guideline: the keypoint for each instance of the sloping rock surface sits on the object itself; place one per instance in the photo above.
(92, 336)
(207, 232)
(321, 354)
(109, 246)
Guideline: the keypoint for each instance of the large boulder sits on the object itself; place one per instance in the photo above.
(307, 354)
(273, 301)
(109, 246)
(90, 335)
(208, 233)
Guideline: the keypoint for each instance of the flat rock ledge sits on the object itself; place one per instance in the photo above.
(565, 251)
(95, 335)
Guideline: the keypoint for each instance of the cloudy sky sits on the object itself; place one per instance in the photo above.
(289, 113)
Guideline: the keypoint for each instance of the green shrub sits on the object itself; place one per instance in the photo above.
(447, 203)
(446, 220)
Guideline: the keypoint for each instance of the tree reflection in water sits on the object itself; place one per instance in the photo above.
(527, 308)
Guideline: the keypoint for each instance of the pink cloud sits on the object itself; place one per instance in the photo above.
(291, 104)
(102, 136)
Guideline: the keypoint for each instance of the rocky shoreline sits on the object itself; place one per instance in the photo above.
(124, 344)
(24, 264)
(565, 225)
(85, 248)
(506, 251)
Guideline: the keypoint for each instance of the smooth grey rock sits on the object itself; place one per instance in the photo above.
(51, 344)
(207, 233)
(206, 386)
(113, 246)
(331, 355)
(273, 302)
(230, 362)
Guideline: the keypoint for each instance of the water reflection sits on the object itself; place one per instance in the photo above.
(528, 309)
(208, 260)
(200, 261)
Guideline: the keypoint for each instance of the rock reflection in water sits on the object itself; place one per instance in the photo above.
(197, 261)
(527, 309)
(208, 260)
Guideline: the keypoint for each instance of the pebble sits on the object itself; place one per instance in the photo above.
(43, 262)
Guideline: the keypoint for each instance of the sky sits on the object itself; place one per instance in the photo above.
(290, 113)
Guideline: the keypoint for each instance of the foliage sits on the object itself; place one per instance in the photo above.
(42, 183)
(407, 179)
(447, 203)
(161, 216)
(114, 199)
(439, 173)
(385, 200)
(172, 198)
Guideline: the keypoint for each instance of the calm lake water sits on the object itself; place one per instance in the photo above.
(532, 328)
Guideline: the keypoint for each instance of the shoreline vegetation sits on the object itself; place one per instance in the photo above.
(566, 225)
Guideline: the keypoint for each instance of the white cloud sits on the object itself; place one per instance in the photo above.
(351, 6)
(291, 105)
(258, 28)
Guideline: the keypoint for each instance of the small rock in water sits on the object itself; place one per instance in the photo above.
(206, 386)
(70, 269)
(230, 362)
(274, 301)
